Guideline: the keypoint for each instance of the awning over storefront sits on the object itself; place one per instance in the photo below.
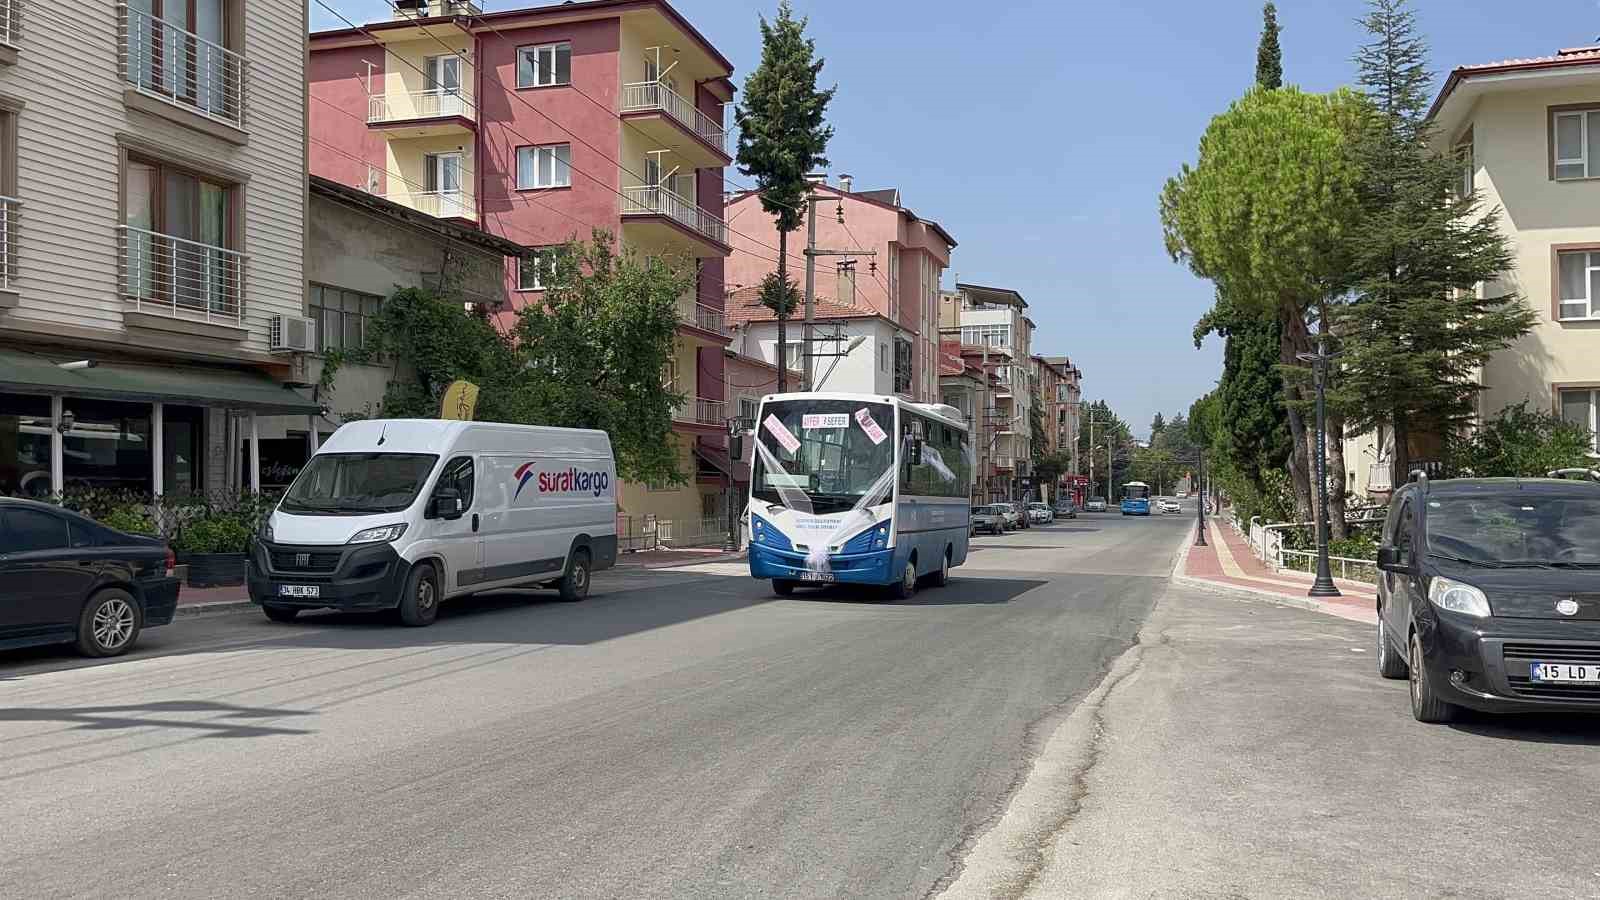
(717, 458)
(30, 373)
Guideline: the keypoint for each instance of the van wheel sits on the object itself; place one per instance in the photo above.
(575, 584)
(281, 613)
(109, 624)
(1390, 665)
(906, 587)
(1425, 703)
(419, 602)
(782, 588)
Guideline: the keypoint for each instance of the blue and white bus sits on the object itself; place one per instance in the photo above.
(1136, 499)
(859, 489)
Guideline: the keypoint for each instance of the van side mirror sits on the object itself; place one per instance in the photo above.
(447, 503)
(1390, 560)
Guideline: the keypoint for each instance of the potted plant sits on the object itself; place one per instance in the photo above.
(214, 545)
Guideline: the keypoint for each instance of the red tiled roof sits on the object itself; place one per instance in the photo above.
(744, 305)
(1571, 57)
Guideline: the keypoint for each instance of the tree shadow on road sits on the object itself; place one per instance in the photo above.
(220, 720)
(1537, 728)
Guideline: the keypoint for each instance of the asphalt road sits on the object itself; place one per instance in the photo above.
(680, 734)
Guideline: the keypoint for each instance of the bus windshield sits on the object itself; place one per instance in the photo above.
(832, 451)
(1136, 490)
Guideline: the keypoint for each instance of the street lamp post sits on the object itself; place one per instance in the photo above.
(1200, 495)
(1323, 586)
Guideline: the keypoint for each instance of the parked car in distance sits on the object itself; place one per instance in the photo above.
(65, 578)
(1066, 509)
(404, 514)
(1095, 504)
(1489, 595)
(1021, 511)
(1169, 505)
(1040, 514)
(1012, 517)
(990, 519)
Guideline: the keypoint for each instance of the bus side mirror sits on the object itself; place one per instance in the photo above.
(914, 452)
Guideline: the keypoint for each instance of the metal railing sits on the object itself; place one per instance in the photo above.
(1362, 570)
(179, 66)
(658, 201)
(645, 96)
(173, 276)
(702, 532)
(707, 318)
(417, 105)
(10, 211)
(636, 533)
(440, 204)
(704, 411)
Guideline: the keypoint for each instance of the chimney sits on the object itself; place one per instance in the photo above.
(846, 289)
(845, 181)
(817, 178)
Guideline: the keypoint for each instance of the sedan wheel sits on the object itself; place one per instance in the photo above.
(109, 624)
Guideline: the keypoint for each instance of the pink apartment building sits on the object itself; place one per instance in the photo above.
(900, 283)
(541, 125)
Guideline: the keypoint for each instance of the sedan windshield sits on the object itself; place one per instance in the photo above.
(830, 452)
(355, 483)
(1517, 528)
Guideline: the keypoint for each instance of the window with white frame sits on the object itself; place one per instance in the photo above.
(1581, 407)
(986, 335)
(535, 268)
(747, 408)
(544, 167)
(1578, 277)
(1465, 180)
(544, 65)
(1573, 133)
(792, 356)
(669, 378)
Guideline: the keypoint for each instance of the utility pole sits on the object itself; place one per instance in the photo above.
(808, 338)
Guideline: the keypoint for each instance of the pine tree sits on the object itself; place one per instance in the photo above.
(1417, 331)
(1156, 425)
(1269, 55)
(782, 132)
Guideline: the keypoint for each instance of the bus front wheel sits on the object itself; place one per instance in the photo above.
(782, 588)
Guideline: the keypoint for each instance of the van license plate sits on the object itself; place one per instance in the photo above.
(809, 575)
(299, 590)
(1569, 672)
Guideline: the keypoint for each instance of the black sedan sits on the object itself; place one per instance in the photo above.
(1489, 595)
(68, 579)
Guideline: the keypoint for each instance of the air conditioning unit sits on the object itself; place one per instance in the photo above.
(292, 333)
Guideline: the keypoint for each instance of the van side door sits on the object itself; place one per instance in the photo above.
(456, 537)
(1402, 587)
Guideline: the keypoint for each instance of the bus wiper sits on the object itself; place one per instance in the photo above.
(1481, 563)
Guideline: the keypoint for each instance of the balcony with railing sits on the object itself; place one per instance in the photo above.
(161, 60)
(702, 411)
(700, 316)
(429, 113)
(655, 203)
(10, 210)
(673, 121)
(179, 278)
(439, 204)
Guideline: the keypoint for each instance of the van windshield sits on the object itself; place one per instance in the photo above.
(334, 484)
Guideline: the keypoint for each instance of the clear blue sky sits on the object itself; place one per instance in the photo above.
(1039, 133)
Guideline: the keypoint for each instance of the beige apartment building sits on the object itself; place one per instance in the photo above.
(152, 236)
(1527, 132)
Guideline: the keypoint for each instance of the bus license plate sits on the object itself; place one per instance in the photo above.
(299, 590)
(1580, 674)
(816, 576)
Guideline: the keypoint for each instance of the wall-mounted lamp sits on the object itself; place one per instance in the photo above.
(67, 419)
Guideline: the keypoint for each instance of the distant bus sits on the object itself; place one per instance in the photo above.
(858, 488)
(1136, 499)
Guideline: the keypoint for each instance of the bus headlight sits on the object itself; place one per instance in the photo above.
(880, 539)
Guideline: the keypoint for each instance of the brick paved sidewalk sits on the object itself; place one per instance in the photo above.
(1228, 563)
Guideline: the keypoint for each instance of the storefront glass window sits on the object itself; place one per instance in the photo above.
(24, 445)
(183, 453)
(108, 446)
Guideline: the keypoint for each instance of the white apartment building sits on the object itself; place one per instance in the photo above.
(152, 238)
(992, 320)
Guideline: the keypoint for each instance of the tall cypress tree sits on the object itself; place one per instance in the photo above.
(1269, 55)
(782, 134)
(1417, 331)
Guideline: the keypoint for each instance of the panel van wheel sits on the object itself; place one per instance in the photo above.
(1425, 703)
(1390, 663)
(782, 587)
(109, 624)
(419, 602)
(574, 585)
(280, 613)
(907, 585)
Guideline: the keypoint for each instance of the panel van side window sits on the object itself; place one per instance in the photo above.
(457, 476)
(1404, 532)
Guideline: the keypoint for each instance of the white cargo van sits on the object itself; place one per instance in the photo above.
(405, 513)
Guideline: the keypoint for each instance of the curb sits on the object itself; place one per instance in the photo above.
(726, 557)
(213, 608)
(1241, 592)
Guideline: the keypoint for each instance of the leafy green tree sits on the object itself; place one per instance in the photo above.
(1038, 439)
(1156, 424)
(1522, 443)
(782, 132)
(1417, 332)
(1265, 214)
(779, 296)
(1269, 55)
